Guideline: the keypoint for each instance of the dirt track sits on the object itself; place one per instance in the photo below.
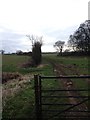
(68, 84)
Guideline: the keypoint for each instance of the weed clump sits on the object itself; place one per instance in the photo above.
(9, 76)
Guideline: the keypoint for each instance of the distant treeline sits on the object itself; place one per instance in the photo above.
(76, 53)
(72, 53)
(49, 52)
(20, 53)
(25, 53)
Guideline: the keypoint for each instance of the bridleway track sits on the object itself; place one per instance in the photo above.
(68, 84)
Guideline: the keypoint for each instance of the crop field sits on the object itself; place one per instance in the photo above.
(18, 93)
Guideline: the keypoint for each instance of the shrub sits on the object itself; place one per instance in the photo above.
(36, 53)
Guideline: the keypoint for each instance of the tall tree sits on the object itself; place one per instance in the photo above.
(36, 48)
(72, 43)
(80, 40)
(59, 46)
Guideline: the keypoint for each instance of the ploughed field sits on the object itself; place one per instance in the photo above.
(18, 82)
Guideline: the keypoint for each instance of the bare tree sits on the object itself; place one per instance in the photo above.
(35, 39)
(59, 46)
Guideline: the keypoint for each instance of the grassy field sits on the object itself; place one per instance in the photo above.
(11, 63)
(81, 62)
(22, 104)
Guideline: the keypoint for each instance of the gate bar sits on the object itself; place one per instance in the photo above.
(58, 77)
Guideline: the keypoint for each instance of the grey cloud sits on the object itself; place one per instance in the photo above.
(61, 34)
(10, 40)
(7, 34)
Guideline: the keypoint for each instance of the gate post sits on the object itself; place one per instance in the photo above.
(40, 98)
(37, 85)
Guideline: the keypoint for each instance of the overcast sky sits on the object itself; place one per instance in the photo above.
(52, 19)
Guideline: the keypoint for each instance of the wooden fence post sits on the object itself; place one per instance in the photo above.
(40, 99)
(37, 83)
(36, 97)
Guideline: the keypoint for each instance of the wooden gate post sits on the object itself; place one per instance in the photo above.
(40, 98)
(37, 84)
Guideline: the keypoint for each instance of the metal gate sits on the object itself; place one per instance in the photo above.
(39, 103)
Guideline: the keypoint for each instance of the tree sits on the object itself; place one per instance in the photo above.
(35, 39)
(72, 43)
(80, 40)
(67, 50)
(36, 53)
(59, 46)
(36, 48)
(2, 51)
(19, 52)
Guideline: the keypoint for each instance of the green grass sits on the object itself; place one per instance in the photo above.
(22, 105)
(81, 66)
(81, 62)
(12, 63)
(81, 84)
